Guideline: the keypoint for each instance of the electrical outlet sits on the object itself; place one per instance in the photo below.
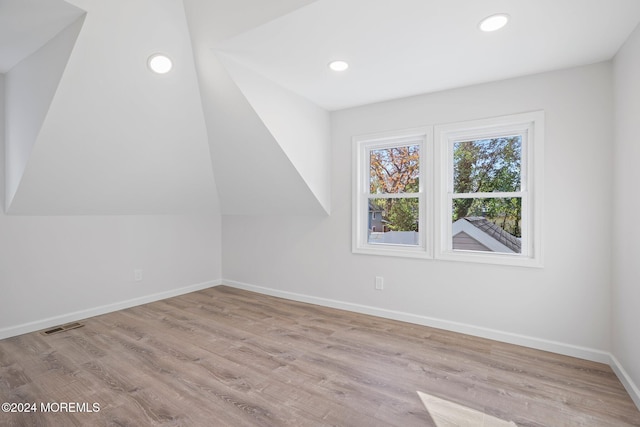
(137, 275)
(379, 283)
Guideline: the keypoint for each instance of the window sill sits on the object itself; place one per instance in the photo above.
(490, 258)
(394, 251)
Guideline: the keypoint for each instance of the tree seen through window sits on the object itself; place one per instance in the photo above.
(488, 166)
(394, 174)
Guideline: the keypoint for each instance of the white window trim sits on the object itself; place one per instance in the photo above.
(532, 126)
(360, 198)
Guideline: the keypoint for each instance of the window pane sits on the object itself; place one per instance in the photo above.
(491, 224)
(487, 165)
(394, 170)
(393, 221)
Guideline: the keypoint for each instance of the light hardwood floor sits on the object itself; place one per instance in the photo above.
(226, 357)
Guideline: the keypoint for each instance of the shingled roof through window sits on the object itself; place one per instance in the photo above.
(493, 230)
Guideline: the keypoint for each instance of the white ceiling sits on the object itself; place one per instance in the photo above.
(395, 48)
(405, 47)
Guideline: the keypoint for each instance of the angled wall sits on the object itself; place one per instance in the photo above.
(118, 139)
(253, 173)
(260, 166)
(626, 230)
(30, 88)
(301, 128)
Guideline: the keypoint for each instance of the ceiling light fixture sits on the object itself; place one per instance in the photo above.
(160, 63)
(494, 22)
(338, 65)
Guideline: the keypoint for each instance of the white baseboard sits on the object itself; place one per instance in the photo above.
(507, 337)
(626, 380)
(38, 325)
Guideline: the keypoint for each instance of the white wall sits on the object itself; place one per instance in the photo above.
(59, 268)
(564, 306)
(2, 141)
(626, 176)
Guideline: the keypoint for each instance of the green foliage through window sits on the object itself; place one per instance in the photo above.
(487, 166)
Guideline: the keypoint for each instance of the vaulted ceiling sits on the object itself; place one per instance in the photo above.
(241, 124)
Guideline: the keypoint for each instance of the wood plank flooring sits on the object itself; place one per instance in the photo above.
(226, 357)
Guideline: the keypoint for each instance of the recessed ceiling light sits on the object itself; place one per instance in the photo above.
(159, 63)
(494, 22)
(338, 65)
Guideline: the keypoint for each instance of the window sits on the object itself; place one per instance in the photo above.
(390, 193)
(490, 190)
(484, 203)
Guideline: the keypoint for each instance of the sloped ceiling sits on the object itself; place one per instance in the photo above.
(241, 124)
(259, 169)
(300, 128)
(118, 139)
(254, 174)
(110, 137)
(31, 87)
(26, 25)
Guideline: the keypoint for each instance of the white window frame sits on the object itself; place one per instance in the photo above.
(531, 127)
(362, 146)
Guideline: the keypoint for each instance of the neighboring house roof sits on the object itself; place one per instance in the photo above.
(488, 234)
(374, 208)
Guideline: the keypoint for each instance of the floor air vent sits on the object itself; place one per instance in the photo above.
(62, 328)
